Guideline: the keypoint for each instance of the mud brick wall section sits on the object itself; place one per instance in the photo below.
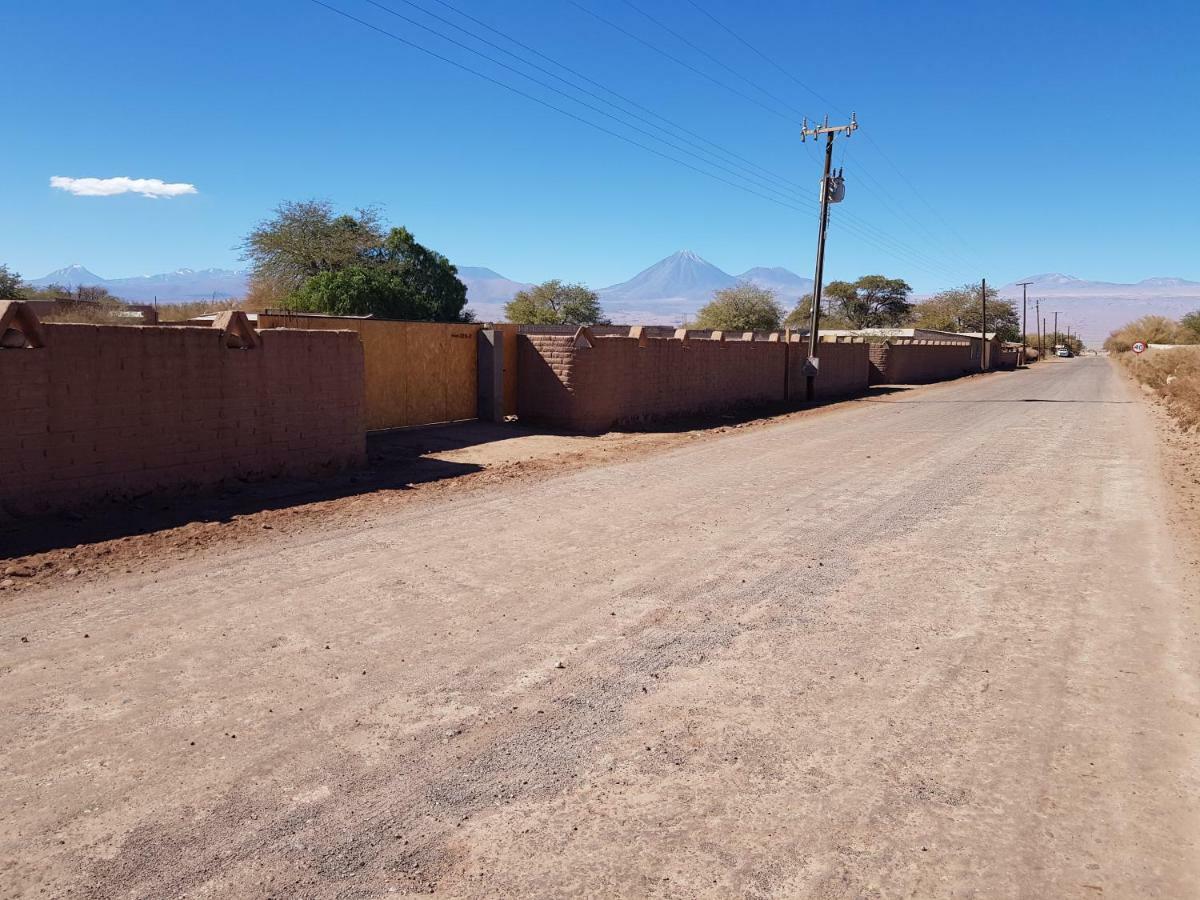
(844, 369)
(619, 382)
(919, 362)
(623, 381)
(106, 410)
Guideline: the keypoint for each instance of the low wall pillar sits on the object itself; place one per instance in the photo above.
(490, 381)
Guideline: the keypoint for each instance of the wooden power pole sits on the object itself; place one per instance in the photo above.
(983, 342)
(1024, 319)
(828, 196)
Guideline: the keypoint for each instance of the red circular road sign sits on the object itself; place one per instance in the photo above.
(1139, 346)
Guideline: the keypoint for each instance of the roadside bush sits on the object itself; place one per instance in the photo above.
(1152, 330)
(1174, 375)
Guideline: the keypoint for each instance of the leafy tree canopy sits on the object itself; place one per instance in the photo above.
(306, 238)
(743, 307)
(555, 303)
(959, 309)
(10, 284)
(1191, 323)
(800, 318)
(873, 301)
(312, 260)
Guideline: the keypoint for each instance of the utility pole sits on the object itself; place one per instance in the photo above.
(832, 191)
(983, 345)
(1055, 345)
(1043, 337)
(1038, 325)
(1024, 319)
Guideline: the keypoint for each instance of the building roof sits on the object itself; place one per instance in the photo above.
(933, 333)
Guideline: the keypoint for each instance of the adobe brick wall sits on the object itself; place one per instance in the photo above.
(1005, 358)
(844, 369)
(617, 381)
(112, 410)
(919, 362)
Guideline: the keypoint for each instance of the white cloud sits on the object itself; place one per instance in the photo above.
(110, 187)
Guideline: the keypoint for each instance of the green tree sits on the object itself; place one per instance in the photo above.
(800, 318)
(743, 307)
(555, 303)
(959, 309)
(873, 301)
(10, 284)
(428, 277)
(310, 260)
(1190, 324)
(390, 292)
(306, 238)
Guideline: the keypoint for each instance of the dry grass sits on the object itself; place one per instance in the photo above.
(1174, 375)
(181, 312)
(105, 314)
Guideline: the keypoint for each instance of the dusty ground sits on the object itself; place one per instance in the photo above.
(403, 467)
(829, 657)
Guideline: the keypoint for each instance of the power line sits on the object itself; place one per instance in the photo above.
(756, 51)
(540, 101)
(552, 88)
(675, 59)
(607, 89)
(747, 169)
(850, 218)
(882, 242)
(675, 34)
(896, 208)
(833, 106)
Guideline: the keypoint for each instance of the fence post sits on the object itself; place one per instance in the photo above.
(490, 376)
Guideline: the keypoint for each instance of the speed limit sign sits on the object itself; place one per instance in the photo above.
(1139, 346)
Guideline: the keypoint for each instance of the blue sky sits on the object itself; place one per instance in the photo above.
(1041, 137)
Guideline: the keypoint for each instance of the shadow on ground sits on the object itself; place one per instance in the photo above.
(396, 460)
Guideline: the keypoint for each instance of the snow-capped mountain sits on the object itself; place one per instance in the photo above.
(73, 275)
(1096, 308)
(676, 287)
(182, 284)
(488, 291)
(682, 276)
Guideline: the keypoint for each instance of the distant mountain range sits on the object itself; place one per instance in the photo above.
(1093, 309)
(666, 292)
(676, 287)
(177, 286)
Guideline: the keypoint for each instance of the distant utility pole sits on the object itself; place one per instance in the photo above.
(1038, 325)
(832, 191)
(1054, 346)
(983, 333)
(1024, 318)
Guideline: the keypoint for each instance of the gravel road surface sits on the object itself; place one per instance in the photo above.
(935, 644)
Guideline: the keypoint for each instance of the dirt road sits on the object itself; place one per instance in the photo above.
(937, 644)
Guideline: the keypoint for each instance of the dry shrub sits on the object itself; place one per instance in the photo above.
(1174, 375)
(1152, 330)
(88, 314)
(181, 312)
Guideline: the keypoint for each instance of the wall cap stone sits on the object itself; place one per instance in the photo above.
(239, 334)
(17, 316)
